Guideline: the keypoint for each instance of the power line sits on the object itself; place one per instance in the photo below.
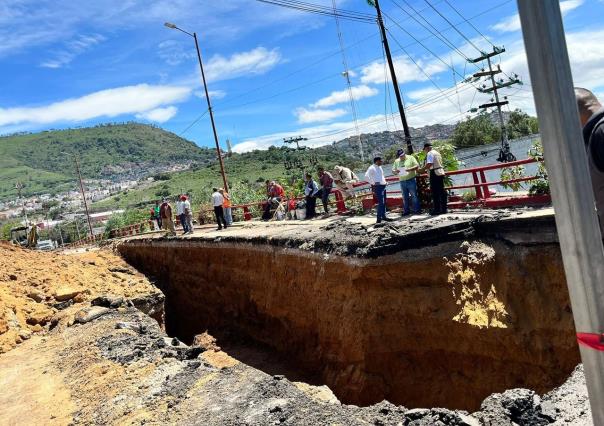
(454, 26)
(438, 34)
(321, 10)
(193, 123)
(472, 25)
(420, 68)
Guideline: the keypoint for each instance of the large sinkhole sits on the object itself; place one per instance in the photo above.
(441, 326)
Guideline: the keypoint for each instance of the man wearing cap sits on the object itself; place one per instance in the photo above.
(434, 163)
(186, 205)
(405, 166)
(375, 176)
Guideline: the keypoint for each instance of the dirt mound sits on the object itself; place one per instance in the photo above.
(39, 289)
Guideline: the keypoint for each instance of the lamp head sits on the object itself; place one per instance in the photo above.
(170, 25)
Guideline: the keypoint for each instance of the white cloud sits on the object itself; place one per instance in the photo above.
(72, 49)
(253, 62)
(317, 115)
(338, 97)
(140, 99)
(214, 94)
(512, 23)
(173, 52)
(160, 115)
(406, 70)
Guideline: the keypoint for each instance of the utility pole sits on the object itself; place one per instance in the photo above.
(83, 195)
(505, 155)
(295, 140)
(397, 93)
(570, 182)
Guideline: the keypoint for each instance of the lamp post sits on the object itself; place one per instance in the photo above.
(205, 87)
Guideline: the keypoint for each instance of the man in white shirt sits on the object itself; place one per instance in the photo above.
(344, 178)
(217, 201)
(375, 176)
(434, 163)
(180, 213)
(188, 214)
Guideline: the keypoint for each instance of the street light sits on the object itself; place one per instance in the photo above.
(205, 86)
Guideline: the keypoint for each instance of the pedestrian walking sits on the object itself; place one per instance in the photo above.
(434, 163)
(405, 166)
(591, 114)
(326, 182)
(218, 201)
(344, 178)
(226, 205)
(377, 180)
(165, 212)
(310, 192)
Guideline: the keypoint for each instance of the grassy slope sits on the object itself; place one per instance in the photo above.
(44, 161)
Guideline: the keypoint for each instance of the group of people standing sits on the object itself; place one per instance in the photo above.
(342, 177)
(406, 167)
(162, 215)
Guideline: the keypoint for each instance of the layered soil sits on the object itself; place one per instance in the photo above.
(444, 325)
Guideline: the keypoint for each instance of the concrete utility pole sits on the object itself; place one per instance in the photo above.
(505, 155)
(399, 101)
(83, 195)
(205, 88)
(570, 182)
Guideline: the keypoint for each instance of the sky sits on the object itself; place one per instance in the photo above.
(272, 72)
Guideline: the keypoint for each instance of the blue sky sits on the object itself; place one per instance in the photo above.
(272, 72)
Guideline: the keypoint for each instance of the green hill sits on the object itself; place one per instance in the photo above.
(44, 162)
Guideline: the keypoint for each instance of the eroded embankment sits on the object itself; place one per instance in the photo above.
(440, 326)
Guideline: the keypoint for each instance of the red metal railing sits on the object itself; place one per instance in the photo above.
(481, 186)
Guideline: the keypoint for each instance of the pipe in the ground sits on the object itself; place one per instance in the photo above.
(570, 183)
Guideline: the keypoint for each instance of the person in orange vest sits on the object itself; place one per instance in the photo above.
(226, 206)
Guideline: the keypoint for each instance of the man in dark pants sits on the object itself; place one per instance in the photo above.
(434, 163)
(326, 181)
(375, 176)
(217, 201)
(591, 114)
(310, 191)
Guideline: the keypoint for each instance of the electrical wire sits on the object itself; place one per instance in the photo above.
(420, 68)
(345, 63)
(194, 122)
(454, 26)
(472, 25)
(322, 10)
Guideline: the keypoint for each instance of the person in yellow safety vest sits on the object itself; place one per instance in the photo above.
(226, 206)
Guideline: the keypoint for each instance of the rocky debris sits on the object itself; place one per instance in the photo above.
(569, 401)
(42, 290)
(90, 314)
(516, 407)
(206, 341)
(108, 301)
(64, 293)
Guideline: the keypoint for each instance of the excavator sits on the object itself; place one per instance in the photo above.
(25, 236)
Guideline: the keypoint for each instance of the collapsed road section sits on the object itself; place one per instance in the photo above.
(435, 312)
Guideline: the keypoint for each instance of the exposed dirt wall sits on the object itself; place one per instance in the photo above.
(442, 326)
